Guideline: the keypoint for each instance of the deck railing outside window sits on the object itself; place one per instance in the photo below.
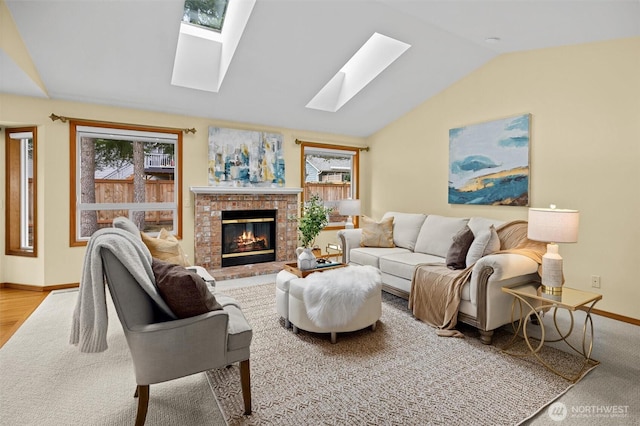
(158, 160)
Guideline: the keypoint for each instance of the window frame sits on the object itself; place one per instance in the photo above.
(354, 152)
(16, 166)
(75, 208)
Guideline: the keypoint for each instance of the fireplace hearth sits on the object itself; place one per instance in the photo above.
(248, 236)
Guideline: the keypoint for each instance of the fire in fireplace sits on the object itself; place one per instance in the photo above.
(248, 236)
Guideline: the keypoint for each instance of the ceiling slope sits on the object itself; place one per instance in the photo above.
(121, 53)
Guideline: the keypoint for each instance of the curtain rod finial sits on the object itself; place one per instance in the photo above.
(55, 117)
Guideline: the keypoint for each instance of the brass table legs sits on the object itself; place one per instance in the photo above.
(535, 344)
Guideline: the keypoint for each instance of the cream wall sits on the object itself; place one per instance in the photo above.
(585, 150)
(585, 106)
(57, 263)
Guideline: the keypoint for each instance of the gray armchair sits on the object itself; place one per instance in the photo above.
(163, 348)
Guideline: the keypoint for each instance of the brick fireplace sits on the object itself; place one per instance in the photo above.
(211, 201)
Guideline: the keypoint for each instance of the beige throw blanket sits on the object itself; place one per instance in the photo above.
(436, 290)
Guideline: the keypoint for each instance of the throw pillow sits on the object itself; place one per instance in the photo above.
(184, 291)
(377, 234)
(457, 254)
(166, 247)
(486, 242)
(479, 224)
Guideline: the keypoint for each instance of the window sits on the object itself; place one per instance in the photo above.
(124, 171)
(21, 213)
(206, 13)
(331, 172)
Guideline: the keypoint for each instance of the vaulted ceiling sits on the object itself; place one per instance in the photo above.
(121, 53)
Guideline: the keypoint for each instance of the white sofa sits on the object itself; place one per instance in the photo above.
(421, 238)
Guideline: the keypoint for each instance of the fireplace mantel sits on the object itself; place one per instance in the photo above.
(259, 190)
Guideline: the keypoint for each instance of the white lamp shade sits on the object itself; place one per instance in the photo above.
(349, 207)
(553, 225)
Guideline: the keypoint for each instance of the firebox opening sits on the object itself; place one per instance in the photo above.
(248, 236)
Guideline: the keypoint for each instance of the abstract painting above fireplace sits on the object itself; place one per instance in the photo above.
(245, 158)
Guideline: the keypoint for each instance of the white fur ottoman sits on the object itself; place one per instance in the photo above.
(336, 301)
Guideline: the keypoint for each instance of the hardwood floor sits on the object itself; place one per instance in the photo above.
(15, 308)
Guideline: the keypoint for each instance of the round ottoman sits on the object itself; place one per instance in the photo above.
(367, 315)
(282, 295)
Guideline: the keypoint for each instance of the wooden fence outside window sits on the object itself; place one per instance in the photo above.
(121, 191)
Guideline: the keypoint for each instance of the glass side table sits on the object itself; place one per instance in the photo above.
(334, 250)
(532, 304)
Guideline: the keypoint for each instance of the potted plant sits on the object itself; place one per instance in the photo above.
(314, 217)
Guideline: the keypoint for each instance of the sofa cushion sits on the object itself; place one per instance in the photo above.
(406, 227)
(465, 294)
(436, 234)
(457, 254)
(376, 234)
(486, 242)
(403, 264)
(240, 332)
(371, 255)
(184, 291)
(478, 224)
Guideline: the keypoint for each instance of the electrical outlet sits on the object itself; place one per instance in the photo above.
(595, 281)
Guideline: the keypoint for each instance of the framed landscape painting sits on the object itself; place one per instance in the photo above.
(489, 162)
(240, 158)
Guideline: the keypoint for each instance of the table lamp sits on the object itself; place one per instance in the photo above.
(349, 208)
(553, 226)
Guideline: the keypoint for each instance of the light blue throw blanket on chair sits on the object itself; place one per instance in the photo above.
(89, 327)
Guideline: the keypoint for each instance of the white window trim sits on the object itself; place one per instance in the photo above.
(25, 206)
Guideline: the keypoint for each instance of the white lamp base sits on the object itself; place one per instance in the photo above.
(349, 223)
(552, 275)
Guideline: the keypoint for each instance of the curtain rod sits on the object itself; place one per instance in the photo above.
(64, 119)
(360, 148)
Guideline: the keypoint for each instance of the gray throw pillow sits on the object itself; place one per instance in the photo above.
(457, 254)
(184, 291)
(486, 242)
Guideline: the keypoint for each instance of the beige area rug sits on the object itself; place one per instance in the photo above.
(401, 374)
(45, 381)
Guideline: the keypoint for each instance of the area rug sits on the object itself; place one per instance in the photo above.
(45, 381)
(399, 374)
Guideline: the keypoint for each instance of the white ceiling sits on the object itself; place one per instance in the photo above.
(121, 53)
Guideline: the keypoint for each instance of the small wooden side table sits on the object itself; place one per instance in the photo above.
(570, 300)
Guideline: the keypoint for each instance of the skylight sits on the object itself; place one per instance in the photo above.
(201, 62)
(368, 62)
(206, 13)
